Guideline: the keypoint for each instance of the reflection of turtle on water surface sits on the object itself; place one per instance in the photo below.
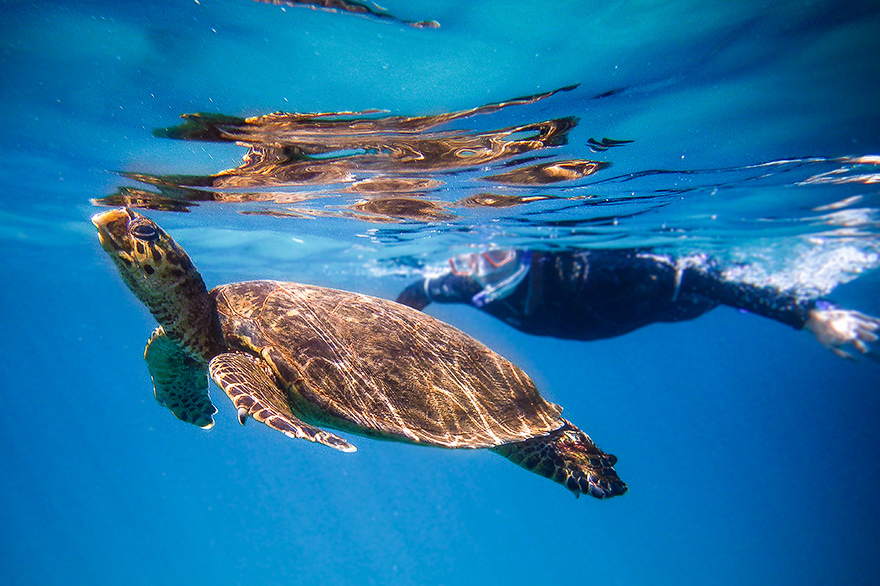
(296, 357)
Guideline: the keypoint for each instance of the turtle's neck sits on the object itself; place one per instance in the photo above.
(184, 309)
(162, 276)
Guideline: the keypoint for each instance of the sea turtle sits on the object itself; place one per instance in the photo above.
(296, 357)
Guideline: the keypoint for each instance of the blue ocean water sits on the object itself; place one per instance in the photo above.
(750, 451)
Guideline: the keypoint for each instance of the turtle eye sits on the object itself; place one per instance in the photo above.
(143, 231)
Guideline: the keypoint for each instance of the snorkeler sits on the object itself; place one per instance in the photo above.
(596, 294)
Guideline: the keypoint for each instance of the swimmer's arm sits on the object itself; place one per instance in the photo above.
(833, 326)
(448, 288)
(764, 301)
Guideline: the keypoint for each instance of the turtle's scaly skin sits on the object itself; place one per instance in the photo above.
(162, 276)
(296, 357)
(567, 456)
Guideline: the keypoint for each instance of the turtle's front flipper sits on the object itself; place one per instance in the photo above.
(567, 456)
(179, 382)
(252, 388)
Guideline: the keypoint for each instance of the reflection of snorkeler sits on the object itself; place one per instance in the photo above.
(594, 294)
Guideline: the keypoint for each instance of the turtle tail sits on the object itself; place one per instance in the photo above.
(568, 456)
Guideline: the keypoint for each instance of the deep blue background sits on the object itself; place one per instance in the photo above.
(750, 451)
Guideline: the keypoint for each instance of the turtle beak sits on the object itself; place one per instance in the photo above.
(111, 225)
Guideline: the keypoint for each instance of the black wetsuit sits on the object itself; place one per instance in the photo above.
(595, 294)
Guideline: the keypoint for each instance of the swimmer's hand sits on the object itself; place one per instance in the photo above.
(835, 327)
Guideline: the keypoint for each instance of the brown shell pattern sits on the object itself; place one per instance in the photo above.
(377, 368)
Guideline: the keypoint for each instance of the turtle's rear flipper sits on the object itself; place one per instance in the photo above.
(252, 387)
(568, 456)
(179, 382)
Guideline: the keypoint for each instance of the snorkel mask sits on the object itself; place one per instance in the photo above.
(498, 272)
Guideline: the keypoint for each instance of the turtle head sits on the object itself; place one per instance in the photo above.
(148, 259)
(156, 270)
